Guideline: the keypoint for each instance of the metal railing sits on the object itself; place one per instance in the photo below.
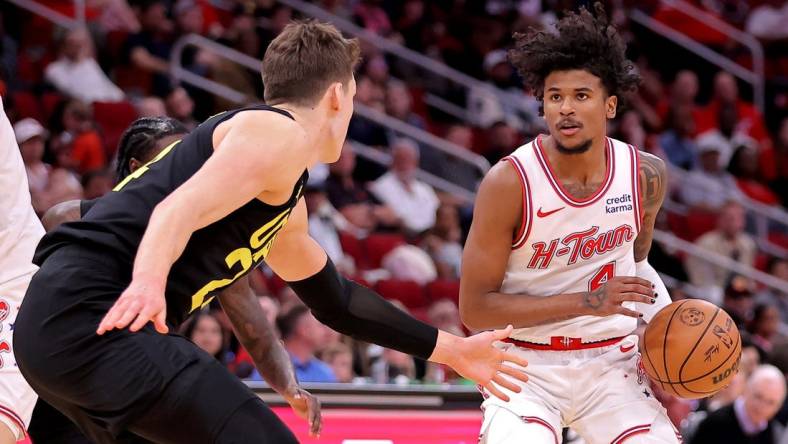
(52, 15)
(511, 99)
(752, 76)
(765, 216)
(422, 137)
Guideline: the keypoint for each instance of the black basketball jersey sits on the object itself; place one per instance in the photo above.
(214, 257)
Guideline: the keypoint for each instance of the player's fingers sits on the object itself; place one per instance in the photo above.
(637, 297)
(490, 387)
(315, 419)
(502, 333)
(127, 316)
(507, 384)
(108, 323)
(160, 322)
(645, 290)
(628, 312)
(637, 280)
(513, 372)
(513, 358)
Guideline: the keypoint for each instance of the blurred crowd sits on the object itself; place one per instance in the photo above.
(71, 93)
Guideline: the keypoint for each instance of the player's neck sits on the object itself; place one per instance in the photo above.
(312, 120)
(578, 166)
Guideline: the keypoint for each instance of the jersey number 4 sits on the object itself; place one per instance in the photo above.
(603, 275)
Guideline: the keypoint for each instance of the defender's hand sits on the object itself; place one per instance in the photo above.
(140, 303)
(306, 406)
(477, 359)
(607, 299)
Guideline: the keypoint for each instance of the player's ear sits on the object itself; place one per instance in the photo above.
(134, 164)
(611, 105)
(335, 92)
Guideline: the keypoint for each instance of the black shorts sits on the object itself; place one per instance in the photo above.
(122, 386)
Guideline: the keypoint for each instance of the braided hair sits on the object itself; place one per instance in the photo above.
(139, 140)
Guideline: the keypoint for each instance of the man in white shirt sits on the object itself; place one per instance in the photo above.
(77, 74)
(413, 201)
(709, 186)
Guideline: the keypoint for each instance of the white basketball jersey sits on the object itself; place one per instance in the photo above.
(566, 245)
(20, 229)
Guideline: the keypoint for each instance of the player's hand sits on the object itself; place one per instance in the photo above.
(306, 406)
(477, 359)
(607, 299)
(137, 305)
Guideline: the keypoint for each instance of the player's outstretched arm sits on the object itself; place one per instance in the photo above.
(262, 151)
(271, 359)
(357, 311)
(496, 218)
(653, 180)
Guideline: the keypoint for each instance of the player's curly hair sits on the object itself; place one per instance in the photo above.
(584, 41)
(140, 138)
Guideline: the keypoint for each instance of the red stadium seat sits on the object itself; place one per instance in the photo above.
(113, 118)
(780, 239)
(444, 289)
(351, 245)
(377, 245)
(700, 222)
(26, 105)
(408, 292)
(49, 101)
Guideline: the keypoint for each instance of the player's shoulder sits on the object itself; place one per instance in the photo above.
(267, 123)
(501, 178)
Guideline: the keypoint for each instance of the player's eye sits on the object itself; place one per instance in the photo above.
(555, 97)
(582, 96)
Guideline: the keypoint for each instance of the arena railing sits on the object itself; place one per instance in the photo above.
(418, 61)
(53, 15)
(753, 76)
(765, 217)
(423, 138)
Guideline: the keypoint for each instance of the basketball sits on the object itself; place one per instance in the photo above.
(691, 349)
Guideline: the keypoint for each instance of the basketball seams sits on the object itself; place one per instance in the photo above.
(733, 350)
(698, 341)
(665, 342)
(648, 356)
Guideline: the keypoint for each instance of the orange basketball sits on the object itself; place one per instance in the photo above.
(691, 349)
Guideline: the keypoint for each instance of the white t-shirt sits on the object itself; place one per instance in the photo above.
(416, 207)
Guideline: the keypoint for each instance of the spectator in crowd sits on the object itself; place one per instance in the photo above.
(729, 240)
(302, 335)
(764, 327)
(710, 186)
(361, 129)
(340, 358)
(726, 136)
(325, 222)
(676, 141)
(117, 15)
(449, 167)
(399, 104)
(149, 49)
(77, 74)
(270, 307)
(180, 107)
(738, 300)
(486, 104)
(48, 186)
(151, 106)
(79, 146)
(749, 418)
(352, 199)
(445, 315)
(683, 93)
(393, 367)
(767, 20)
(442, 242)
(97, 183)
(373, 18)
(744, 167)
(206, 332)
(413, 201)
(778, 175)
(778, 268)
(746, 118)
(631, 131)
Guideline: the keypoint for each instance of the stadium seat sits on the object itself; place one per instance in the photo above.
(113, 118)
(351, 246)
(408, 292)
(444, 289)
(27, 105)
(700, 222)
(49, 102)
(377, 245)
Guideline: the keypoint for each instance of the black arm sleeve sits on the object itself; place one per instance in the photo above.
(85, 205)
(357, 311)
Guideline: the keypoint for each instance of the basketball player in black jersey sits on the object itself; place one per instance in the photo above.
(196, 218)
(143, 140)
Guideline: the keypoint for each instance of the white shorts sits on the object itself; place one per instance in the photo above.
(17, 399)
(600, 393)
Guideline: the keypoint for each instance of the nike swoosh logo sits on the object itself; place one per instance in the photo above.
(541, 213)
(626, 349)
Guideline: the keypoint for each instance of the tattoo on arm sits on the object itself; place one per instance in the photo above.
(653, 185)
(258, 336)
(595, 299)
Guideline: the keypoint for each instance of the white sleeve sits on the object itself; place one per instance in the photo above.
(644, 270)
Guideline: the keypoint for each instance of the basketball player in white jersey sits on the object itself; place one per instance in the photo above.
(20, 231)
(558, 248)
